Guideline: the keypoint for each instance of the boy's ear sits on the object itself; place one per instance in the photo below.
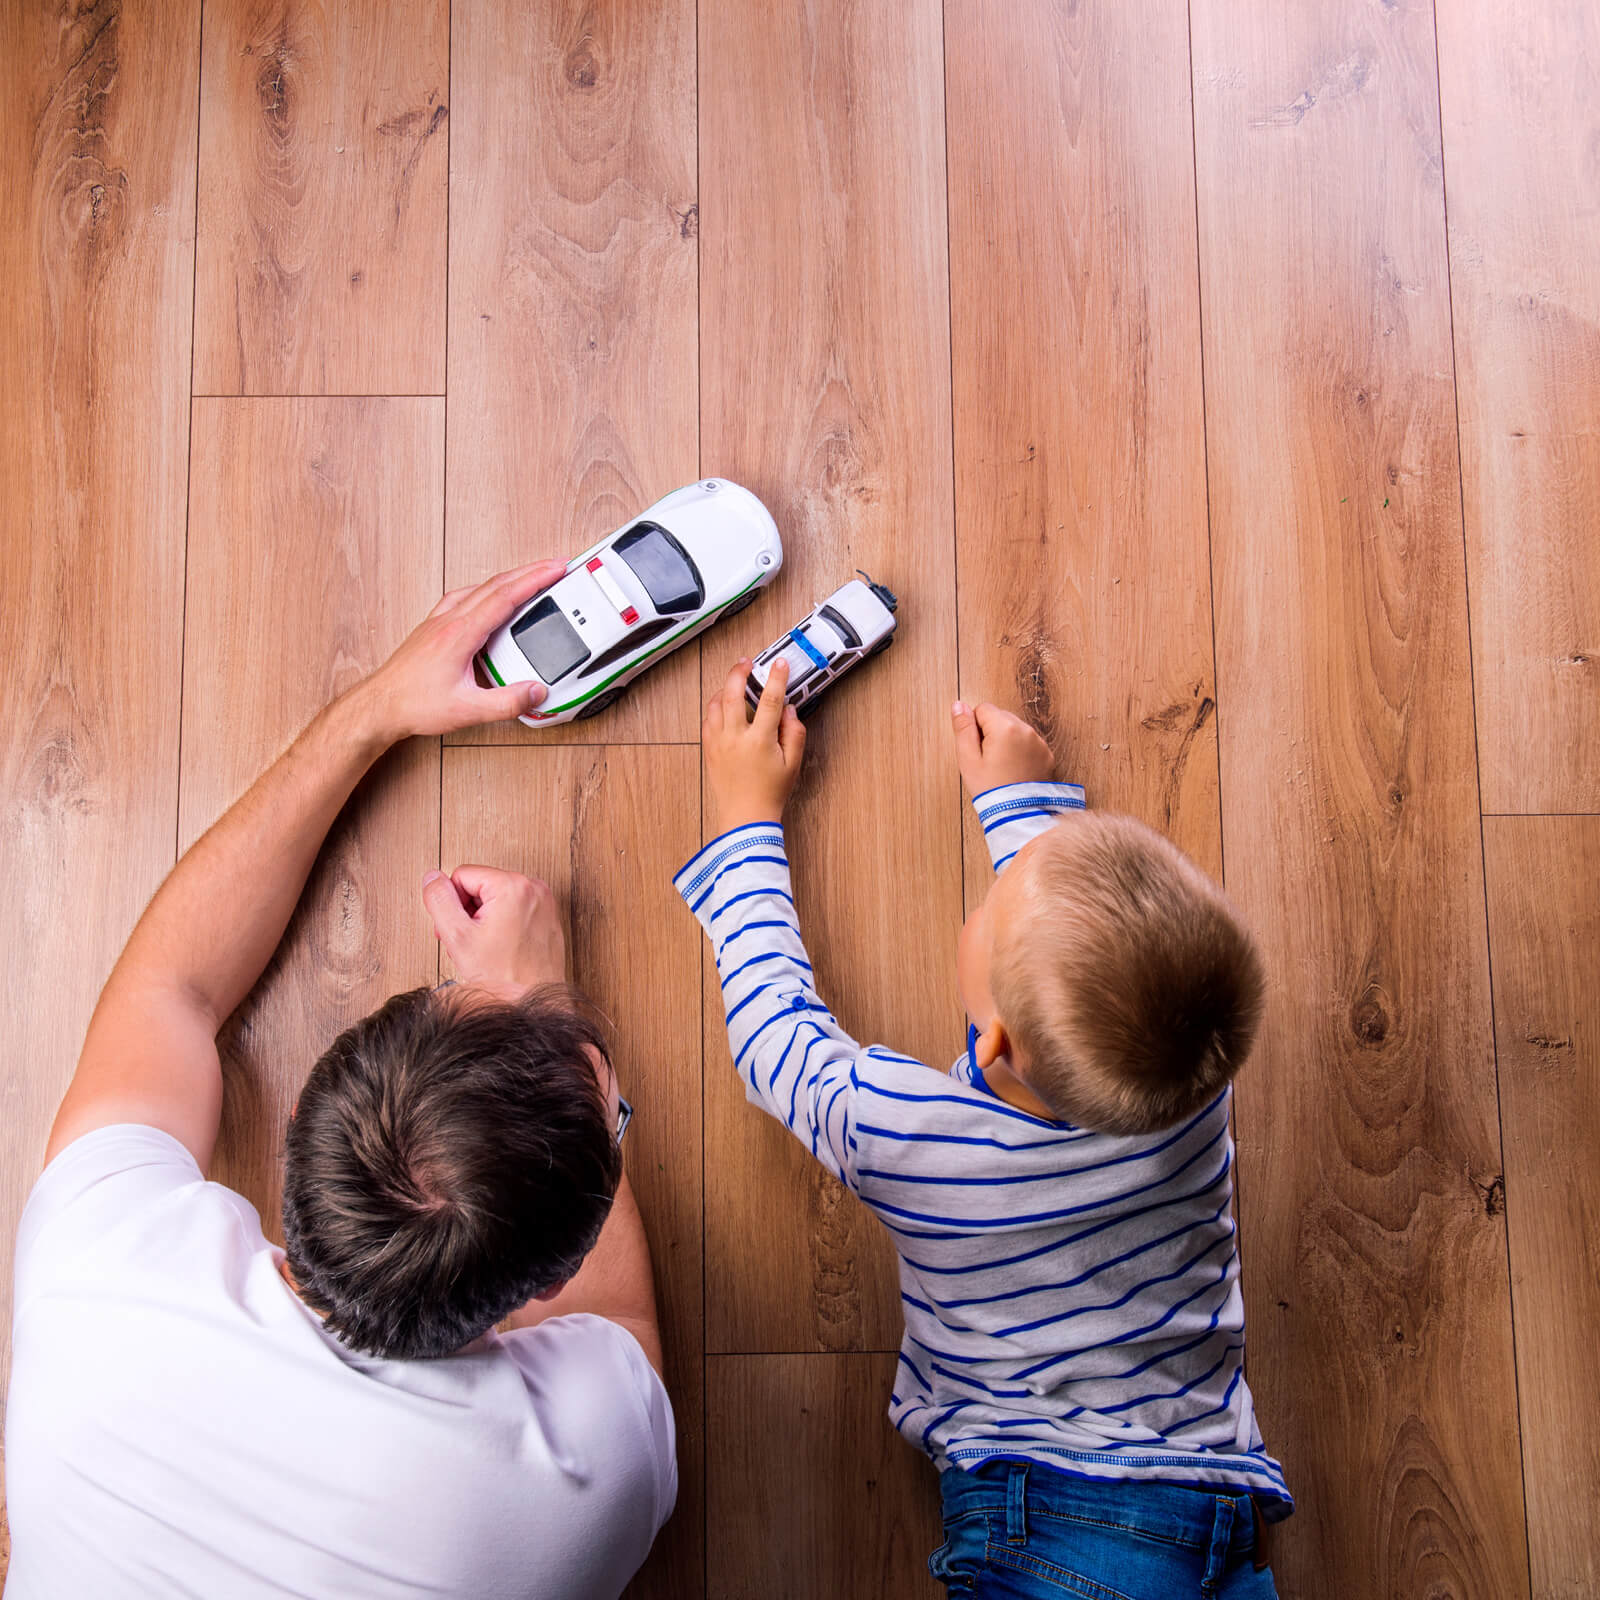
(991, 1044)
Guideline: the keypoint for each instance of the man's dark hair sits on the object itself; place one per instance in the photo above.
(447, 1161)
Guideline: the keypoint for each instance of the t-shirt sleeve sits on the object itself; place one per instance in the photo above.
(606, 1381)
(103, 1182)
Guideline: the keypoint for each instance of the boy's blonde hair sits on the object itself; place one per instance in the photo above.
(1129, 989)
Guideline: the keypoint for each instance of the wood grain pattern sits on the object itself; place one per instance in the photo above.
(572, 300)
(314, 547)
(1082, 555)
(1518, 88)
(1544, 937)
(96, 255)
(321, 257)
(810, 1492)
(606, 829)
(1375, 1274)
(825, 388)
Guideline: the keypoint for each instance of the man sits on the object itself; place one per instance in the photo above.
(195, 1412)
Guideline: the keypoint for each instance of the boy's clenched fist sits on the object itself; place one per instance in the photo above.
(994, 747)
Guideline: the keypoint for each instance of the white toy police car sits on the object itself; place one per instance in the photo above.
(853, 623)
(696, 555)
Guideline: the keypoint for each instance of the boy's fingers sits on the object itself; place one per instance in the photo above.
(733, 689)
(791, 737)
(969, 740)
(769, 713)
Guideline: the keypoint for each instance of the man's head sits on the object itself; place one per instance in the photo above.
(451, 1157)
(1114, 974)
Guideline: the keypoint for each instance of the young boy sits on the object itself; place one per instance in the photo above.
(1074, 1345)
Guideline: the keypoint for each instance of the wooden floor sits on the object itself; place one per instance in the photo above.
(1219, 385)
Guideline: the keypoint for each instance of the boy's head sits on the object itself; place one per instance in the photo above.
(1127, 991)
(451, 1157)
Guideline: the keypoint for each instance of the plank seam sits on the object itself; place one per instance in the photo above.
(444, 485)
(1477, 774)
(188, 466)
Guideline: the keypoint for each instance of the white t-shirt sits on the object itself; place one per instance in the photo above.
(180, 1423)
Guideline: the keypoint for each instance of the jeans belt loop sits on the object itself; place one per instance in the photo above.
(1221, 1541)
(1017, 1505)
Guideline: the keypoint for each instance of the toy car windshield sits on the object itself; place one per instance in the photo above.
(549, 641)
(663, 566)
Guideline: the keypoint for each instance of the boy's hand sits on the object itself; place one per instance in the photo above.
(500, 929)
(751, 766)
(993, 748)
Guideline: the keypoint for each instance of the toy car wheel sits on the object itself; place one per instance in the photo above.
(598, 704)
(739, 604)
(882, 645)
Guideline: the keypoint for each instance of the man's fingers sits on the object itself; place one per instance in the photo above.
(498, 597)
(450, 600)
(484, 884)
(501, 705)
(791, 737)
(445, 910)
(769, 712)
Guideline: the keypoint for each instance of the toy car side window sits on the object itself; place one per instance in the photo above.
(628, 644)
(663, 566)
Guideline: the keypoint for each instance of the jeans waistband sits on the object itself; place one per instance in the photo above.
(1171, 1513)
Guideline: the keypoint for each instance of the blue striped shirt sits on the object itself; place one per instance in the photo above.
(1070, 1297)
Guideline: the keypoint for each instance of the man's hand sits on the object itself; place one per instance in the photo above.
(751, 766)
(500, 929)
(994, 747)
(427, 685)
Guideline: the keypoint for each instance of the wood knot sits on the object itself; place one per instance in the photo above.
(1493, 1195)
(275, 89)
(581, 68)
(1370, 1021)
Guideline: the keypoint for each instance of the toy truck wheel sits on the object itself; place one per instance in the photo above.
(598, 704)
(882, 645)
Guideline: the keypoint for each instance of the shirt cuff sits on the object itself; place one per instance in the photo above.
(1010, 801)
(695, 878)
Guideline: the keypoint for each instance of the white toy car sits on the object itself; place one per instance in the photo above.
(698, 554)
(853, 623)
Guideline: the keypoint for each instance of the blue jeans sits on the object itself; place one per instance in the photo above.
(1017, 1530)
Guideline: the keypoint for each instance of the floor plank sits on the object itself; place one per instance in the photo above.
(1518, 89)
(573, 359)
(821, 158)
(607, 829)
(1369, 1153)
(96, 256)
(323, 170)
(1544, 937)
(810, 1491)
(314, 547)
(1082, 557)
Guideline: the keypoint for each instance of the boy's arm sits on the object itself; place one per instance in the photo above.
(1013, 813)
(1006, 767)
(795, 1059)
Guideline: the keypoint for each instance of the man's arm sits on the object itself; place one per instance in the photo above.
(150, 1055)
